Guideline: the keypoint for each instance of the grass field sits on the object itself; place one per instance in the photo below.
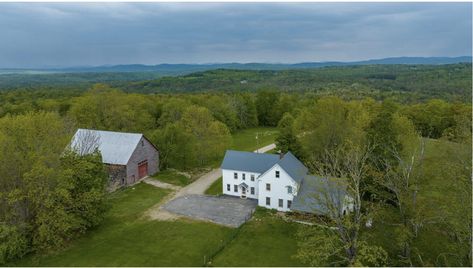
(126, 239)
(172, 177)
(215, 188)
(266, 240)
(245, 140)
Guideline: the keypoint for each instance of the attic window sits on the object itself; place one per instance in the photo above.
(277, 174)
(142, 143)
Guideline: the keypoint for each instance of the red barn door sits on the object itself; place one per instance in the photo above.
(143, 169)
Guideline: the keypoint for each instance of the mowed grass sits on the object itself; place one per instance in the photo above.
(245, 140)
(215, 188)
(266, 240)
(125, 238)
(172, 177)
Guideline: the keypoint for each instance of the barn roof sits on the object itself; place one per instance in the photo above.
(116, 147)
(247, 161)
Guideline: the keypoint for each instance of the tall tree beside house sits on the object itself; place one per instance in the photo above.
(286, 139)
(45, 199)
(245, 109)
(266, 101)
(211, 136)
(176, 147)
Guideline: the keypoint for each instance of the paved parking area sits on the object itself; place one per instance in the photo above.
(225, 210)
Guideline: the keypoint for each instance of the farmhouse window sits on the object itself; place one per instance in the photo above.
(235, 188)
(268, 187)
(228, 187)
(277, 174)
(280, 203)
(252, 177)
(243, 176)
(252, 190)
(289, 189)
(268, 201)
(289, 203)
(235, 175)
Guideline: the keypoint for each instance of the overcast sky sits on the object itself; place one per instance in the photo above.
(78, 34)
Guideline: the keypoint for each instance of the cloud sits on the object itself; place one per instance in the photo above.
(71, 34)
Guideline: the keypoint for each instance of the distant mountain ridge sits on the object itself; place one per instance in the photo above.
(179, 69)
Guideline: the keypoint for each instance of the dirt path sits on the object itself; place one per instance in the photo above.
(161, 184)
(198, 187)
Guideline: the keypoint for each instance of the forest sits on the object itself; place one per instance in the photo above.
(370, 124)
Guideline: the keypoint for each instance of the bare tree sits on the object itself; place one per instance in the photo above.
(349, 165)
(403, 178)
(85, 142)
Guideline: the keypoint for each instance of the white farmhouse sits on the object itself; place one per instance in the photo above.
(280, 182)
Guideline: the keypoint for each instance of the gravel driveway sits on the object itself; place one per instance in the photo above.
(206, 207)
(225, 210)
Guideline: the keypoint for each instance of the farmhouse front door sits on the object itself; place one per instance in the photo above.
(143, 169)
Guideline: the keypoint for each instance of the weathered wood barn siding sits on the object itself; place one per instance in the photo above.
(144, 151)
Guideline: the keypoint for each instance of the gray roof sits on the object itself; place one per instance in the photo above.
(244, 185)
(320, 195)
(293, 167)
(247, 161)
(116, 147)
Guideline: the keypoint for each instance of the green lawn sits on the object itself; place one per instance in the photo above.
(215, 188)
(172, 177)
(126, 239)
(266, 240)
(245, 140)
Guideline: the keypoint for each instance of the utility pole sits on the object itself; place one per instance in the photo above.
(257, 143)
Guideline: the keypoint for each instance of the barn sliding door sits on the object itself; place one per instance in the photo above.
(143, 169)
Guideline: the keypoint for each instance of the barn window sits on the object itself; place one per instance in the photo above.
(277, 174)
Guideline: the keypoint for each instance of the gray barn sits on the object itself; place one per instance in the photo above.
(129, 156)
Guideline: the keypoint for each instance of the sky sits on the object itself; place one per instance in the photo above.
(38, 35)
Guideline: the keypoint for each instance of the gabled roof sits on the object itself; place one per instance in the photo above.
(320, 195)
(293, 167)
(247, 161)
(116, 147)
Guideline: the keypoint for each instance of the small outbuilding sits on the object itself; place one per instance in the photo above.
(129, 157)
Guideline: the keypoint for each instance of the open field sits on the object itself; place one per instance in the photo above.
(265, 240)
(126, 239)
(245, 140)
